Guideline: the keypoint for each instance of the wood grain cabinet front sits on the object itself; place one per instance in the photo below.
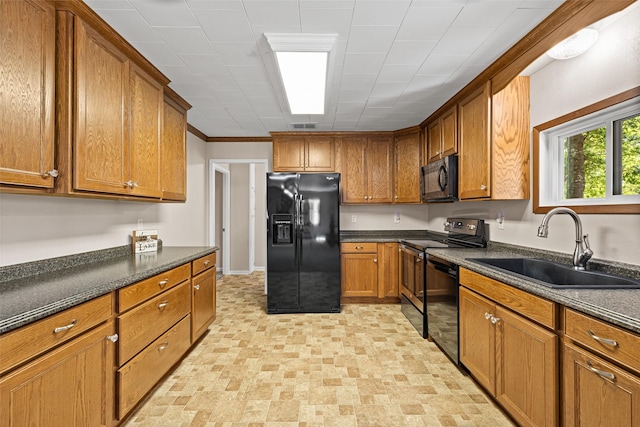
(303, 153)
(492, 340)
(367, 169)
(203, 298)
(174, 149)
(27, 31)
(369, 272)
(71, 385)
(442, 135)
(408, 160)
(139, 292)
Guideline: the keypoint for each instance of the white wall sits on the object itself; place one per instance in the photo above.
(610, 67)
(382, 217)
(37, 227)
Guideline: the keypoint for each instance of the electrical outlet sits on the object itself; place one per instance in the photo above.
(396, 218)
(353, 218)
(500, 220)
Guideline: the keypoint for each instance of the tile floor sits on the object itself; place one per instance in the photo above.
(365, 366)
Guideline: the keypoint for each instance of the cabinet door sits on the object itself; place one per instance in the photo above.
(72, 385)
(449, 124)
(101, 143)
(174, 152)
(388, 263)
(354, 163)
(477, 338)
(380, 170)
(288, 154)
(597, 393)
(407, 168)
(359, 275)
(527, 370)
(27, 55)
(319, 154)
(475, 139)
(203, 301)
(145, 133)
(434, 140)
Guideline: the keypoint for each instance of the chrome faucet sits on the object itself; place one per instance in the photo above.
(582, 253)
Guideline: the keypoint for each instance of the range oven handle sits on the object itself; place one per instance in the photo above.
(444, 268)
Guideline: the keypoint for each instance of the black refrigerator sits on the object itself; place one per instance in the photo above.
(303, 243)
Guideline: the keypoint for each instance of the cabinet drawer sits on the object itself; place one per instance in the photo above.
(24, 343)
(138, 376)
(140, 326)
(528, 305)
(603, 338)
(141, 291)
(204, 263)
(359, 247)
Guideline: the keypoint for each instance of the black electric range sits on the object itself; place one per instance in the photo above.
(429, 285)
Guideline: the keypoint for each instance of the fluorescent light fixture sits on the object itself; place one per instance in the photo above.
(304, 75)
(575, 45)
(303, 62)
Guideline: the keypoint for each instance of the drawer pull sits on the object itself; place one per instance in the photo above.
(602, 340)
(196, 287)
(163, 304)
(163, 346)
(603, 374)
(206, 263)
(66, 327)
(161, 283)
(113, 338)
(359, 248)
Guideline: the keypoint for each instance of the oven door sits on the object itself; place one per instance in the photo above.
(412, 275)
(442, 305)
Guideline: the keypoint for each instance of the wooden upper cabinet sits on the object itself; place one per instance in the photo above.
(367, 169)
(408, 160)
(27, 60)
(442, 135)
(146, 101)
(101, 154)
(174, 152)
(300, 153)
(474, 171)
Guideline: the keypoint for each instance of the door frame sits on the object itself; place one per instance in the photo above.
(214, 165)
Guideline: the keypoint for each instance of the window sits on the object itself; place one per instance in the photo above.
(590, 159)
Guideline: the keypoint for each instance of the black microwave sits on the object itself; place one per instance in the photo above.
(439, 180)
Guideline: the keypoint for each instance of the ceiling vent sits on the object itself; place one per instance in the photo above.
(304, 125)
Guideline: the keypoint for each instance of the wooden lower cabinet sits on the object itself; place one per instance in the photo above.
(515, 359)
(369, 272)
(69, 386)
(203, 300)
(598, 393)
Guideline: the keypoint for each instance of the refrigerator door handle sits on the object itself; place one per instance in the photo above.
(300, 224)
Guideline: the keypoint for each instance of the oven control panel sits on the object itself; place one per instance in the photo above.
(473, 227)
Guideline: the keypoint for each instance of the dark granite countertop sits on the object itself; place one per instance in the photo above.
(617, 306)
(32, 291)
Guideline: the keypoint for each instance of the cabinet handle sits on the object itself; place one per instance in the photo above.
(128, 184)
(66, 327)
(52, 173)
(495, 319)
(418, 260)
(603, 374)
(483, 187)
(206, 263)
(602, 340)
(196, 287)
(359, 248)
(163, 282)
(366, 197)
(163, 304)
(375, 260)
(396, 197)
(487, 315)
(135, 183)
(113, 338)
(163, 346)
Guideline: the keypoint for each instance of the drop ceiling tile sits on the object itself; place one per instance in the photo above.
(376, 111)
(165, 13)
(129, 24)
(397, 73)
(219, 81)
(363, 63)
(379, 12)
(227, 97)
(274, 123)
(238, 53)
(541, 4)
(158, 53)
(179, 74)
(272, 12)
(388, 102)
(203, 64)
(215, 4)
(427, 23)
(186, 40)
(327, 4)
(388, 89)
(109, 4)
(371, 39)
(326, 21)
(257, 89)
(358, 81)
(267, 102)
(359, 96)
(193, 90)
(462, 41)
(248, 74)
(409, 52)
(441, 64)
(225, 25)
(485, 14)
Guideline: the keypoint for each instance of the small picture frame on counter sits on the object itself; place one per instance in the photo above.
(145, 241)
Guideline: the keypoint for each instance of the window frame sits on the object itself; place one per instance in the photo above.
(577, 117)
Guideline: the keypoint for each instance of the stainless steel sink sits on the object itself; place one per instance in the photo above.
(558, 276)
